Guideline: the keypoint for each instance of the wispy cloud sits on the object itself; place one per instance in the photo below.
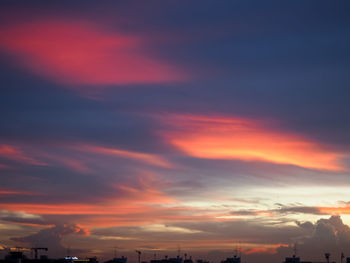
(16, 192)
(244, 139)
(335, 210)
(16, 154)
(151, 159)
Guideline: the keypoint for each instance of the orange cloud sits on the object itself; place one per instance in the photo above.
(342, 210)
(151, 215)
(142, 157)
(144, 195)
(118, 206)
(77, 52)
(67, 209)
(128, 200)
(16, 154)
(260, 251)
(263, 249)
(244, 139)
(122, 213)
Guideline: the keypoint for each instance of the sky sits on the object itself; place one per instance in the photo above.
(203, 127)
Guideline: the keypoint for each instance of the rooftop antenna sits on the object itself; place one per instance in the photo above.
(236, 252)
(327, 256)
(295, 250)
(178, 251)
(342, 256)
(185, 256)
(240, 249)
(139, 255)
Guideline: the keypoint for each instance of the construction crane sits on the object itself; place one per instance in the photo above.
(35, 249)
(139, 254)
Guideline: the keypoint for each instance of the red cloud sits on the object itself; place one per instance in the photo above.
(80, 53)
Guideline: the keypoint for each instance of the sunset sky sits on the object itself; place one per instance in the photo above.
(163, 125)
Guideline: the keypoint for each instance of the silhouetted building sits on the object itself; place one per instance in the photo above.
(168, 260)
(175, 260)
(15, 257)
(295, 259)
(118, 260)
(235, 259)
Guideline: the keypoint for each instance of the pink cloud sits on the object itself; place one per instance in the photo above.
(15, 192)
(4, 166)
(76, 52)
(14, 153)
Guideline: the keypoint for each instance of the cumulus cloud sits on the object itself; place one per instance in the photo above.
(306, 225)
(52, 237)
(326, 235)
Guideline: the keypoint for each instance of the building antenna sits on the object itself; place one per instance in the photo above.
(295, 250)
(236, 252)
(139, 255)
(240, 249)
